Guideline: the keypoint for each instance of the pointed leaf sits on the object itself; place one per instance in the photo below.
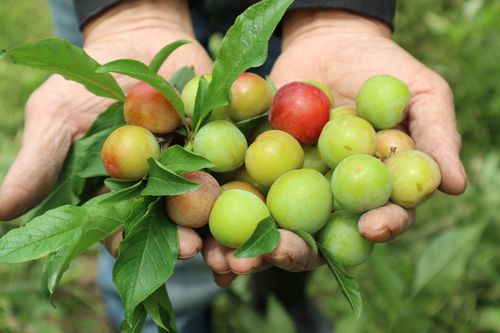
(164, 53)
(264, 240)
(178, 159)
(163, 182)
(201, 93)
(247, 126)
(160, 309)
(136, 322)
(182, 77)
(61, 57)
(123, 194)
(308, 238)
(119, 184)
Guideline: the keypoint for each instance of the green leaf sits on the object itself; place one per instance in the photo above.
(442, 250)
(178, 159)
(43, 235)
(61, 57)
(147, 259)
(140, 71)
(163, 181)
(111, 118)
(348, 285)
(308, 238)
(264, 240)
(3, 53)
(182, 77)
(201, 93)
(164, 53)
(119, 184)
(160, 309)
(247, 126)
(88, 162)
(123, 194)
(245, 45)
(136, 322)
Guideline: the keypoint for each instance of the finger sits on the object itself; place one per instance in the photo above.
(112, 242)
(190, 242)
(224, 280)
(293, 254)
(433, 127)
(385, 223)
(36, 167)
(243, 266)
(215, 256)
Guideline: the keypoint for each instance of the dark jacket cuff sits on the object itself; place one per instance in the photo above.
(88, 9)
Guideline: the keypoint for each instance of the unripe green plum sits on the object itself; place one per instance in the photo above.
(323, 87)
(222, 143)
(189, 94)
(312, 160)
(192, 209)
(243, 176)
(342, 111)
(251, 95)
(300, 200)
(126, 151)
(234, 217)
(360, 183)
(239, 185)
(341, 237)
(147, 107)
(345, 136)
(271, 155)
(415, 176)
(382, 100)
(392, 141)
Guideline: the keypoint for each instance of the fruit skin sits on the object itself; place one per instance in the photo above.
(300, 109)
(192, 209)
(415, 176)
(341, 237)
(147, 107)
(360, 183)
(342, 111)
(392, 141)
(222, 143)
(382, 100)
(239, 185)
(189, 94)
(300, 200)
(345, 136)
(312, 160)
(324, 88)
(234, 217)
(251, 95)
(126, 151)
(271, 155)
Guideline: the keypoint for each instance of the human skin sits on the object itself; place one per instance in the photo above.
(60, 112)
(343, 50)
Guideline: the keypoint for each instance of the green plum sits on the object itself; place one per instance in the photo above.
(189, 94)
(360, 183)
(300, 200)
(222, 143)
(415, 176)
(382, 100)
(341, 237)
(234, 217)
(251, 95)
(312, 159)
(342, 111)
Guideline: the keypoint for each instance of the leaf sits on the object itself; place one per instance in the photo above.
(43, 235)
(348, 285)
(3, 53)
(178, 159)
(264, 240)
(308, 238)
(136, 322)
(147, 259)
(247, 126)
(245, 45)
(160, 309)
(119, 184)
(442, 250)
(140, 71)
(182, 77)
(88, 162)
(164, 53)
(111, 118)
(61, 57)
(123, 194)
(201, 94)
(163, 182)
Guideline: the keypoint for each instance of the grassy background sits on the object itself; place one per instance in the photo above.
(442, 276)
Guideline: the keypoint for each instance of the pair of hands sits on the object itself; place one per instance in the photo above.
(334, 47)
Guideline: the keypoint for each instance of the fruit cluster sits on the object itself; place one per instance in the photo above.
(305, 161)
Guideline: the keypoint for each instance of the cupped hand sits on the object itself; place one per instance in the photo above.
(59, 112)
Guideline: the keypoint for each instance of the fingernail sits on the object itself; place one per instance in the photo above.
(189, 256)
(250, 271)
(223, 272)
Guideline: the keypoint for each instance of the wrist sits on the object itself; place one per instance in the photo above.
(300, 24)
(139, 15)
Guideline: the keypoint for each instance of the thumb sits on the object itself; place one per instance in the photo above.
(34, 172)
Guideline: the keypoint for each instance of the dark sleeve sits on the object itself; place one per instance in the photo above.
(382, 10)
(88, 9)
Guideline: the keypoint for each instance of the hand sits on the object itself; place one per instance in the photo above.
(59, 112)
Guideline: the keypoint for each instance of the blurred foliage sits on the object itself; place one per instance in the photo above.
(442, 276)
